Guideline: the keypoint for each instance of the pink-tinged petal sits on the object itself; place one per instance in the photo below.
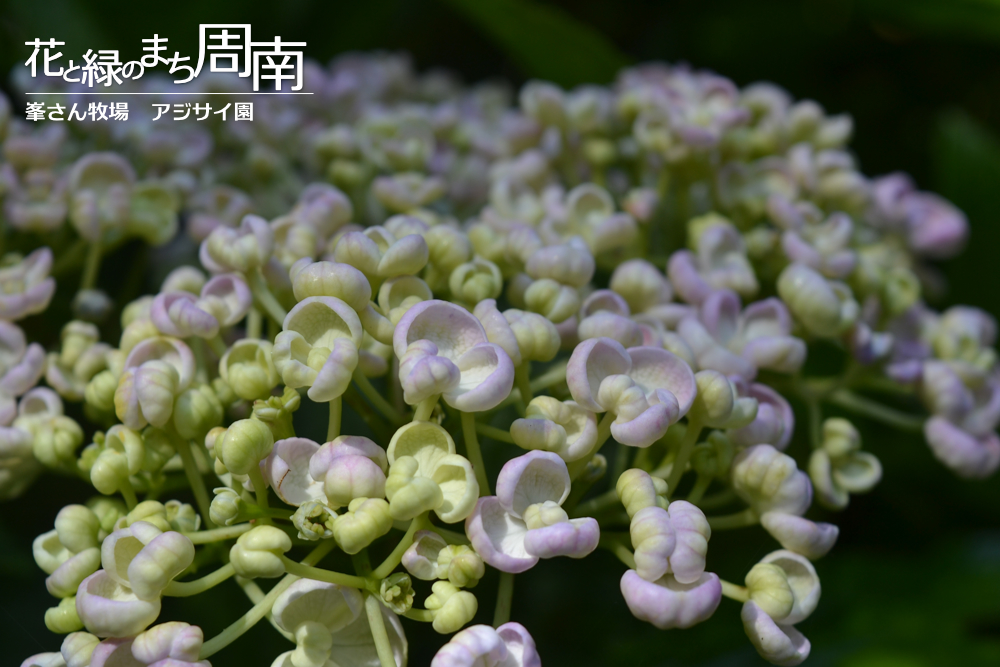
(487, 377)
(781, 354)
(450, 327)
(609, 325)
(520, 645)
(423, 373)
(498, 537)
(475, 646)
(25, 374)
(173, 640)
(346, 445)
(170, 350)
(34, 289)
(669, 604)
(670, 314)
(935, 227)
(166, 555)
(812, 540)
(798, 250)
(351, 477)
(109, 609)
(49, 659)
(114, 653)
(177, 314)
(591, 362)
(287, 470)
(774, 423)
(67, 578)
(532, 478)
(687, 562)
(656, 369)
(684, 276)
(227, 297)
(720, 314)
(307, 600)
(710, 354)
(334, 377)
(648, 427)
(654, 539)
(575, 538)
(567, 264)
(966, 455)
(607, 301)
(497, 328)
(778, 644)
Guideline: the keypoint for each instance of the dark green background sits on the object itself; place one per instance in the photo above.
(915, 579)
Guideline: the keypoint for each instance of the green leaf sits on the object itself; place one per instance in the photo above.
(545, 42)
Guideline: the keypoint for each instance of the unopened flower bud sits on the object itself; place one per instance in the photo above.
(825, 308)
(474, 281)
(463, 566)
(717, 403)
(182, 517)
(78, 648)
(245, 443)
(247, 368)
(453, 607)
(840, 437)
(78, 528)
(556, 302)
(63, 619)
(226, 506)
(767, 585)
(100, 392)
(196, 411)
(366, 520)
(257, 553)
(637, 489)
(110, 472)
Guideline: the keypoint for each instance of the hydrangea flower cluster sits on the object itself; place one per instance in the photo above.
(644, 268)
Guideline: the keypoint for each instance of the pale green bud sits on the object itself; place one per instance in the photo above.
(56, 438)
(595, 469)
(396, 592)
(158, 449)
(257, 553)
(599, 152)
(313, 642)
(107, 511)
(714, 457)
(196, 411)
(768, 586)
(109, 472)
(366, 520)
(900, 291)
(76, 338)
(410, 495)
(637, 490)
(543, 515)
(840, 438)
(63, 619)
(244, 445)
(474, 281)
(78, 648)
(453, 607)
(555, 301)
(150, 511)
(136, 310)
(100, 392)
(717, 404)
(123, 439)
(277, 411)
(136, 332)
(824, 307)
(226, 507)
(464, 566)
(78, 528)
(246, 368)
(182, 516)
(314, 520)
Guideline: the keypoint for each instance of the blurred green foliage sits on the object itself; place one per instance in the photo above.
(915, 580)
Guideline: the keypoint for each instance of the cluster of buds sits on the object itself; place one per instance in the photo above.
(648, 264)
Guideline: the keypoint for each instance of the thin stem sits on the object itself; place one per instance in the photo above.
(255, 595)
(701, 485)
(267, 300)
(254, 321)
(261, 609)
(218, 346)
(128, 493)
(473, 452)
(683, 455)
(615, 546)
(741, 519)
(622, 457)
(394, 559)
(425, 409)
(374, 610)
(522, 380)
(597, 504)
(734, 591)
(320, 574)
(420, 615)
(494, 433)
(505, 595)
(874, 410)
(92, 265)
(333, 426)
(183, 589)
(719, 499)
(376, 399)
(551, 377)
(218, 534)
(195, 479)
(260, 491)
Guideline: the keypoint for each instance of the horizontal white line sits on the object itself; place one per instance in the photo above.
(169, 93)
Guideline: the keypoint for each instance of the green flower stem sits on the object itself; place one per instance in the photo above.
(683, 455)
(577, 467)
(615, 545)
(622, 457)
(319, 574)
(576, 493)
(218, 534)
(494, 433)
(522, 380)
(719, 499)
(374, 610)
(701, 485)
(425, 409)
(261, 609)
(473, 452)
(70, 259)
(420, 615)
(552, 376)
(375, 398)
(92, 265)
(742, 519)
(128, 493)
(255, 595)
(450, 536)
(734, 592)
(194, 478)
(267, 300)
(253, 323)
(218, 346)
(336, 412)
(815, 423)
(183, 589)
(505, 595)
(260, 491)
(396, 557)
(874, 410)
(597, 504)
